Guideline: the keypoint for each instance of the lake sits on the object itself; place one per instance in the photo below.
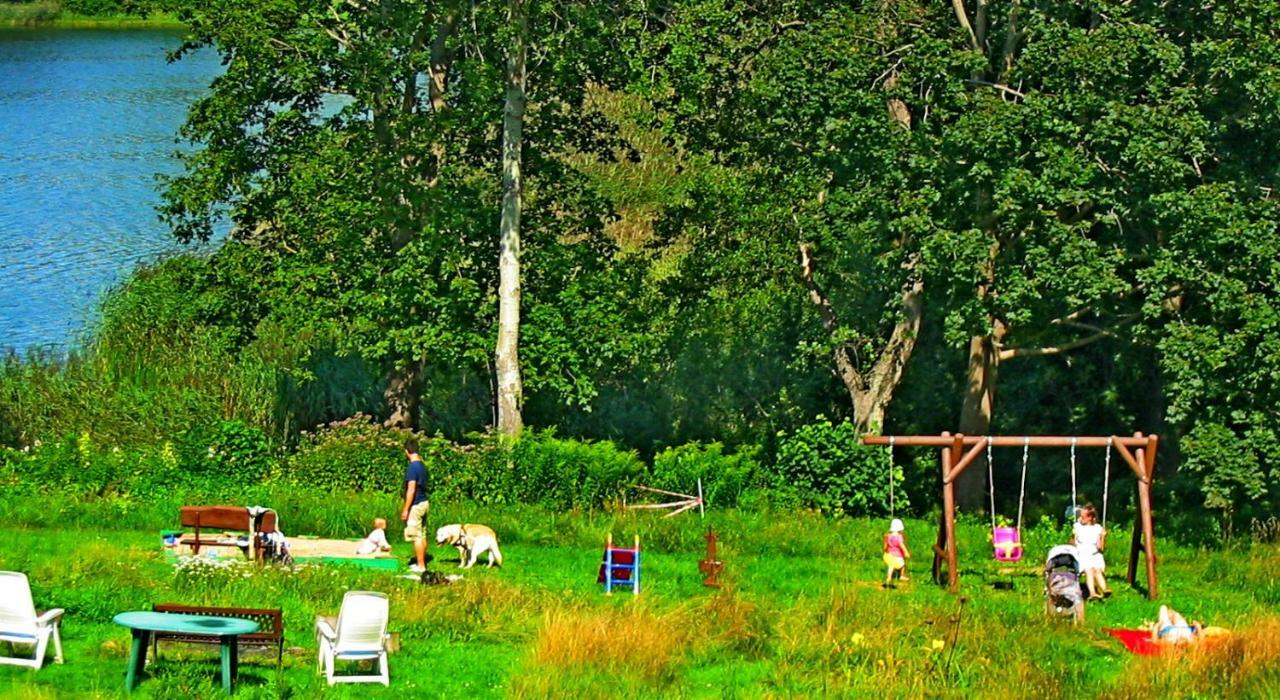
(88, 118)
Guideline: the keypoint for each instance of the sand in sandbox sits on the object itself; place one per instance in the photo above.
(299, 547)
(346, 549)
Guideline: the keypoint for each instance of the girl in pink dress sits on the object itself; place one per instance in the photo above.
(896, 553)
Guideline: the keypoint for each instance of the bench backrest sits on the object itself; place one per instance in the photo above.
(225, 518)
(270, 620)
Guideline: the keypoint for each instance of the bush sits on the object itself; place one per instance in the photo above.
(540, 468)
(80, 466)
(359, 455)
(231, 452)
(108, 8)
(725, 477)
(826, 466)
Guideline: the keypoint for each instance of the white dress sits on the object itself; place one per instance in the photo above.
(1088, 537)
(375, 542)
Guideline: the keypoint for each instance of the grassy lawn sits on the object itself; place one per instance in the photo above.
(802, 613)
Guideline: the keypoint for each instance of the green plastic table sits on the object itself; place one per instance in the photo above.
(142, 624)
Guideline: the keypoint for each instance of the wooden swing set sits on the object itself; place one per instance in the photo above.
(959, 451)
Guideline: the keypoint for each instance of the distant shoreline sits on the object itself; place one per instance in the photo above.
(50, 16)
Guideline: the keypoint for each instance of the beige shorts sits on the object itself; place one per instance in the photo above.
(413, 527)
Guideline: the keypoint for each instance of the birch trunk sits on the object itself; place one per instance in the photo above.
(507, 356)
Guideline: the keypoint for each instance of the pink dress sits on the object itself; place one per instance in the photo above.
(894, 554)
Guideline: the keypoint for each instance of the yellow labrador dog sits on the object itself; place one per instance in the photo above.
(471, 541)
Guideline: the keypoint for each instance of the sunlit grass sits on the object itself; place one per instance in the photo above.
(801, 613)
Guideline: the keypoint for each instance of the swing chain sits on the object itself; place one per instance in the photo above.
(1074, 506)
(1022, 489)
(891, 476)
(1106, 481)
(991, 485)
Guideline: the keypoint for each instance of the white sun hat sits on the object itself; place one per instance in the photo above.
(896, 525)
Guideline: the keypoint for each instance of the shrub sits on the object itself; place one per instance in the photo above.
(236, 454)
(1232, 480)
(826, 466)
(358, 454)
(107, 8)
(540, 468)
(725, 477)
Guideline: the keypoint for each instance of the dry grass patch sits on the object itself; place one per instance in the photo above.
(468, 609)
(629, 640)
(1243, 665)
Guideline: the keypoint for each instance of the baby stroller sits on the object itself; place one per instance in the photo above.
(1063, 594)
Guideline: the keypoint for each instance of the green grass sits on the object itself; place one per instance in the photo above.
(801, 613)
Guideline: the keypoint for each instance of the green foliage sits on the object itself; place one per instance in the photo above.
(358, 455)
(725, 477)
(106, 8)
(1092, 187)
(234, 453)
(88, 12)
(1232, 480)
(35, 12)
(824, 465)
(541, 468)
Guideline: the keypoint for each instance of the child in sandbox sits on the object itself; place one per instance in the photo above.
(896, 553)
(377, 540)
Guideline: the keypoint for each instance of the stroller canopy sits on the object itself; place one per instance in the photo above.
(1064, 555)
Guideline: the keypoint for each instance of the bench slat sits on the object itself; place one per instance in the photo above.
(270, 619)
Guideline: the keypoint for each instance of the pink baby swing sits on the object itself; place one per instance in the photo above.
(1007, 541)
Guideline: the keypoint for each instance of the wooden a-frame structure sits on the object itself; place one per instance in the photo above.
(959, 451)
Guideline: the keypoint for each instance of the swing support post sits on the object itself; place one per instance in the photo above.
(954, 459)
(1143, 463)
(946, 548)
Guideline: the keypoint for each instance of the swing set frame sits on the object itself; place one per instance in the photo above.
(959, 451)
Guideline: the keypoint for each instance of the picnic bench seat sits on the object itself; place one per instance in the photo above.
(220, 519)
(270, 627)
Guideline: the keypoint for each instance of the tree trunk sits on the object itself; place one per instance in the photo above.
(507, 358)
(871, 392)
(401, 396)
(975, 415)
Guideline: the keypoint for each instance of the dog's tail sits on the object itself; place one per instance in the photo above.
(496, 554)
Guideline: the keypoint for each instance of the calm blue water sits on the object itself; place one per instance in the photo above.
(87, 120)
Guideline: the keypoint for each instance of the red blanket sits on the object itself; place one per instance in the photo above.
(1137, 641)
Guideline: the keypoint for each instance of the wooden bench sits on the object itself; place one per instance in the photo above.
(221, 519)
(270, 627)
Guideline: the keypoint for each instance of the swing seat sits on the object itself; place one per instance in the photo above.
(1007, 543)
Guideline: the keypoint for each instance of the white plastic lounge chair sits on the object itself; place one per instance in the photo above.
(20, 625)
(361, 635)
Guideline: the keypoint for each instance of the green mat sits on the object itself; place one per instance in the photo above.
(386, 564)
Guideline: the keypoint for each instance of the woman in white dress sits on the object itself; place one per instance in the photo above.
(1090, 539)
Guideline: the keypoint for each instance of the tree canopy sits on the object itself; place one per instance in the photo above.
(740, 216)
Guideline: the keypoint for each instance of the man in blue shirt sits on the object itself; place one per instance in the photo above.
(415, 509)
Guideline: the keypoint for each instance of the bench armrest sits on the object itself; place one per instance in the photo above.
(49, 616)
(325, 630)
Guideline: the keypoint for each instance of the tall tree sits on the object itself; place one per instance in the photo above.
(507, 355)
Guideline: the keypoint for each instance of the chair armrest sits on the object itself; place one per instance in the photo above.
(325, 630)
(49, 616)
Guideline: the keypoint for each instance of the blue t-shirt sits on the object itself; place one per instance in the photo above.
(417, 473)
